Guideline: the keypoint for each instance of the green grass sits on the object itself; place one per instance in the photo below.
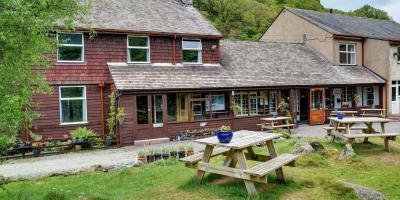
(317, 176)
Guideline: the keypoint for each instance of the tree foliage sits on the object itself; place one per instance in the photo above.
(27, 43)
(248, 19)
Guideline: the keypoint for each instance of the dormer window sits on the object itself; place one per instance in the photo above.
(347, 54)
(138, 49)
(191, 51)
(70, 47)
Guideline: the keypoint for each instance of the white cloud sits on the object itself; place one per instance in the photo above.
(393, 9)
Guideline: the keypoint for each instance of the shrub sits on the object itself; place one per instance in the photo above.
(55, 196)
(225, 128)
(83, 133)
(6, 142)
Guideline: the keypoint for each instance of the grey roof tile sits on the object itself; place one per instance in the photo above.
(351, 25)
(245, 64)
(163, 16)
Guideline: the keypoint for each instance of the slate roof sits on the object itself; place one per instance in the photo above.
(245, 64)
(162, 16)
(350, 25)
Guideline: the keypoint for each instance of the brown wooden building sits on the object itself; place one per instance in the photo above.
(173, 72)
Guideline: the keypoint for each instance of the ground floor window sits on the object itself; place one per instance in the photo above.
(370, 96)
(255, 103)
(241, 102)
(73, 108)
(157, 108)
(178, 107)
(347, 97)
(142, 108)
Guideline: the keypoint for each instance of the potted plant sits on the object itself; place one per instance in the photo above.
(189, 150)
(181, 152)
(357, 100)
(157, 154)
(142, 156)
(224, 134)
(37, 144)
(120, 115)
(165, 153)
(110, 140)
(283, 107)
(150, 156)
(83, 137)
(235, 108)
(173, 152)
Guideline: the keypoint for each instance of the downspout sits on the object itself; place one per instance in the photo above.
(101, 85)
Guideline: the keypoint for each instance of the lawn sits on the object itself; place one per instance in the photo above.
(317, 176)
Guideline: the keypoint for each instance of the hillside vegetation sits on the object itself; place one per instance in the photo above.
(248, 19)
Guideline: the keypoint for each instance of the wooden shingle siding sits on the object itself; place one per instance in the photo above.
(48, 124)
(127, 128)
(210, 55)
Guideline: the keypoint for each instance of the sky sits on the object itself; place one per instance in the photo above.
(390, 6)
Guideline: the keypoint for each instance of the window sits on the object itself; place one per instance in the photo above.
(370, 96)
(191, 51)
(272, 101)
(347, 97)
(156, 102)
(217, 103)
(142, 110)
(394, 95)
(398, 54)
(138, 49)
(347, 54)
(178, 107)
(70, 47)
(73, 104)
(241, 101)
(316, 99)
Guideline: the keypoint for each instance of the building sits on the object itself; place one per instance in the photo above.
(346, 41)
(173, 71)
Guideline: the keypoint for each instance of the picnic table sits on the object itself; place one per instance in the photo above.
(273, 123)
(240, 150)
(372, 112)
(350, 113)
(343, 129)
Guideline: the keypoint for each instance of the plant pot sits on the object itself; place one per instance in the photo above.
(275, 115)
(157, 156)
(86, 145)
(340, 116)
(150, 158)
(142, 159)
(36, 152)
(181, 154)
(121, 120)
(110, 142)
(165, 156)
(174, 153)
(189, 153)
(224, 136)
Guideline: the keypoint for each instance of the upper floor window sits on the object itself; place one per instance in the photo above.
(398, 54)
(347, 54)
(70, 47)
(138, 49)
(73, 108)
(191, 51)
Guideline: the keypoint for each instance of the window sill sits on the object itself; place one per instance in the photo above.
(347, 65)
(70, 62)
(73, 123)
(138, 63)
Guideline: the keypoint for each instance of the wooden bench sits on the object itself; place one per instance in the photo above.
(385, 136)
(271, 165)
(191, 161)
(269, 127)
(329, 129)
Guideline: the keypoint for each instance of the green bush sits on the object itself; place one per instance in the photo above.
(55, 196)
(6, 142)
(83, 133)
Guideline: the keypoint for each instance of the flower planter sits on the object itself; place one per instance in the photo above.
(110, 142)
(36, 152)
(150, 158)
(142, 159)
(189, 153)
(224, 136)
(165, 156)
(157, 156)
(181, 154)
(174, 153)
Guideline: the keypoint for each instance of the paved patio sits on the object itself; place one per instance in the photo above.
(111, 159)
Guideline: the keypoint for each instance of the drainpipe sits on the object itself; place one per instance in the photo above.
(174, 51)
(101, 85)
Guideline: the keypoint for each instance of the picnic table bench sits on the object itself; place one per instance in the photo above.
(273, 123)
(369, 112)
(239, 150)
(370, 132)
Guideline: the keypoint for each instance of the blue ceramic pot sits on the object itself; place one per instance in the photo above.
(340, 116)
(275, 115)
(224, 136)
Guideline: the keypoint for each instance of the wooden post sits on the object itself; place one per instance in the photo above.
(206, 158)
(274, 154)
(387, 147)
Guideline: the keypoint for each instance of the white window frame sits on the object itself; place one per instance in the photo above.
(72, 45)
(84, 99)
(398, 54)
(272, 94)
(347, 92)
(348, 52)
(217, 106)
(253, 102)
(242, 96)
(200, 55)
(138, 47)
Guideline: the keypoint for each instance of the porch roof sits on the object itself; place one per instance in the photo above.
(244, 64)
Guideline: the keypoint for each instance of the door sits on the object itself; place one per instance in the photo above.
(150, 116)
(337, 98)
(317, 111)
(395, 97)
(304, 106)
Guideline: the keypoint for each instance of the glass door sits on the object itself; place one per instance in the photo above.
(317, 110)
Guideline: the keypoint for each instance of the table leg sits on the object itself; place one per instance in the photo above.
(369, 131)
(230, 160)
(383, 128)
(250, 186)
(206, 159)
(348, 129)
(274, 154)
(288, 128)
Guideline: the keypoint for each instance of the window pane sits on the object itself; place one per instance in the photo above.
(351, 48)
(68, 92)
(191, 56)
(352, 58)
(65, 38)
(138, 41)
(157, 109)
(343, 58)
(342, 47)
(394, 96)
(398, 54)
(172, 107)
(191, 44)
(72, 111)
(138, 55)
(68, 53)
(142, 108)
(272, 101)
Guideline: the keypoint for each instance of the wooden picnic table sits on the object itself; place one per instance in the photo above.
(343, 129)
(239, 150)
(350, 113)
(273, 123)
(372, 112)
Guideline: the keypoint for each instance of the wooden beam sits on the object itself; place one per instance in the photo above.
(228, 171)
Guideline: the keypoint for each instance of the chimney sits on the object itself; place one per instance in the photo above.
(187, 2)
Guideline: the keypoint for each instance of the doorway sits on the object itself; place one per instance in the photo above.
(395, 97)
(149, 116)
(317, 108)
(303, 106)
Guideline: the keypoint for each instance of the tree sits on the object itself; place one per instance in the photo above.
(27, 44)
(371, 12)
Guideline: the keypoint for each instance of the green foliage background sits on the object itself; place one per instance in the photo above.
(248, 19)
